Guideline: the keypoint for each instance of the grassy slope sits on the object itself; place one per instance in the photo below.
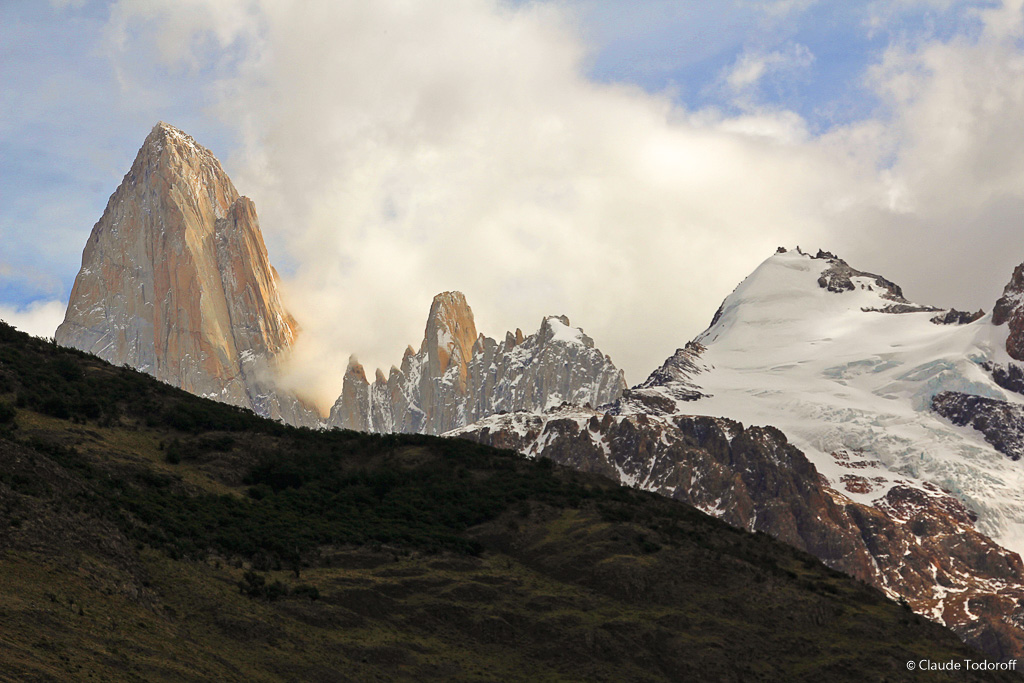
(433, 559)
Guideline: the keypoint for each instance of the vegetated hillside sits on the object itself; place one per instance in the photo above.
(146, 534)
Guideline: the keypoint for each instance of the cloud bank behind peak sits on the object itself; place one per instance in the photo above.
(396, 150)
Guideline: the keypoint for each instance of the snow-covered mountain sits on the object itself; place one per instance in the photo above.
(867, 386)
(459, 376)
(176, 282)
(847, 368)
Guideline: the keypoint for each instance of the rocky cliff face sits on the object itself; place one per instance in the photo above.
(667, 386)
(1009, 310)
(176, 282)
(1001, 422)
(459, 376)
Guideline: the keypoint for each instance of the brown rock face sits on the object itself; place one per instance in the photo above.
(447, 348)
(1010, 310)
(176, 282)
(449, 337)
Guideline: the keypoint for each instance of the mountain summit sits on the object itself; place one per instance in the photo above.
(448, 340)
(176, 282)
(459, 376)
(842, 363)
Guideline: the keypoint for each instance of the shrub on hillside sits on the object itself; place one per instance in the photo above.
(55, 406)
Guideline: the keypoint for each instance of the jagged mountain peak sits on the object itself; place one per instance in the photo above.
(167, 145)
(176, 281)
(449, 310)
(355, 370)
(792, 286)
(165, 131)
(172, 172)
(460, 375)
(558, 329)
(450, 334)
(510, 341)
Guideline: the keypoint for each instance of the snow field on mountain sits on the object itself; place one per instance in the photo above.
(561, 332)
(852, 388)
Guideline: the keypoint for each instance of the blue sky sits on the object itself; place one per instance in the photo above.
(687, 47)
(790, 89)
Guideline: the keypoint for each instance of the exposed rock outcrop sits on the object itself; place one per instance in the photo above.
(668, 386)
(838, 278)
(176, 282)
(1001, 422)
(459, 376)
(902, 308)
(1009, 310)
(955, 317)
(1009, 376)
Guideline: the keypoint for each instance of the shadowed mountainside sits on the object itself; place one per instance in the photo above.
(147, 534)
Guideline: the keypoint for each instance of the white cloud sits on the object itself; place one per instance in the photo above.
(751, 67)
(395, 150)
(40, 318)
(1005, 21)
(189, 30)
(956, 169)
(747, 70)
(958, 111)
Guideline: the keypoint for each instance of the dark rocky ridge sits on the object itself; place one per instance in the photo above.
(1001, 422)
(1010, 376)
(903, 308)
(955, 317)
(1010, 311)
(838, 278)
(675, 376)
